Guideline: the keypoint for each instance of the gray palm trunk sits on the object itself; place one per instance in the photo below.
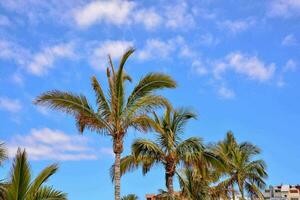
(117, 176)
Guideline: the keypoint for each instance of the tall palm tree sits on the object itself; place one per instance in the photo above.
(168, 149)
(20, 185)
(242, 169)
(114, 113)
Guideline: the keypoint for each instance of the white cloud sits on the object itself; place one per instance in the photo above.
(48, 144)
(226, 93)
(10, 105)
(114, 48)
(115, 12)
(148, 17)
(290, 65)
(289, 40)
(284, 8)
(178, 16)
(45, 59)
(250, 66)
(236, 26)
(14, 52)
(17, 79)
(199, 68)
(156, 48)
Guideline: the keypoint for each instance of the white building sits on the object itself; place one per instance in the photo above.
(283, 192)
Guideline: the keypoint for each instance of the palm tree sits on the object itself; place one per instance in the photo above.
(3, 156)
(114, 114)
(201, 186)
(130, 197)
(20, 185)
(168, 149)
(3, 153)
(244, 171)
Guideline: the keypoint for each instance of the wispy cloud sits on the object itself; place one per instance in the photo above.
(44, 60)
(148, 17)
(179, 16)
(289, 40)
(13, 52)
(236, 26)
(283, 8)
(115, 12)
(10, 105)
(225, 92)
(100, 51)
(49, 144)
(250, 66)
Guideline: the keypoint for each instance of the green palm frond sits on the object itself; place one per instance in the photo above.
(20, 177)
(130, 197)
(189, 150)
(151, 82)
(49, 193)
(103, 106)
(20, 186)
(76, 105)
(146, 148)
(42, 178)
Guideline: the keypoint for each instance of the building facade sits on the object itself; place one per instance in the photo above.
(282, 192)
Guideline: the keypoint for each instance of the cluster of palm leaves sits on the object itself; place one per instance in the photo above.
(20, 185)
(198, 168)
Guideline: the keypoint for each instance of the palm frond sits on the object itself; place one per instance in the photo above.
(76, 105)
(49, 193)
(42, 178)
(146, 148)
(150, 83)
(20, 177)
(103, 106)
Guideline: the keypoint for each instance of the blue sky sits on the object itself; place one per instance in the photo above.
(236, 64)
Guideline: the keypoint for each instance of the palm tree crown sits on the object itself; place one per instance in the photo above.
(20, 185)
(242, 170)
(114, 113)
(168, 149)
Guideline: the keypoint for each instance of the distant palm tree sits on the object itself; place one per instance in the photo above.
(242, 170)
(168, 149)
(130, 197)
(3, 153)
(114, 113)
(3, 156)
(201, 186)
(20, 185)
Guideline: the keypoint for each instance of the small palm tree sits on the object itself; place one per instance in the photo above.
(3, 156)
(130, 197)
(114, 113)
(20, 185)
(3, 153)
(168, 149)
(242, 170)
(201, 186)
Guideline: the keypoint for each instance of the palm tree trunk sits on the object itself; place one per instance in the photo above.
(169, 184)
(232, 191)
(241, 191)
(117, 176)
